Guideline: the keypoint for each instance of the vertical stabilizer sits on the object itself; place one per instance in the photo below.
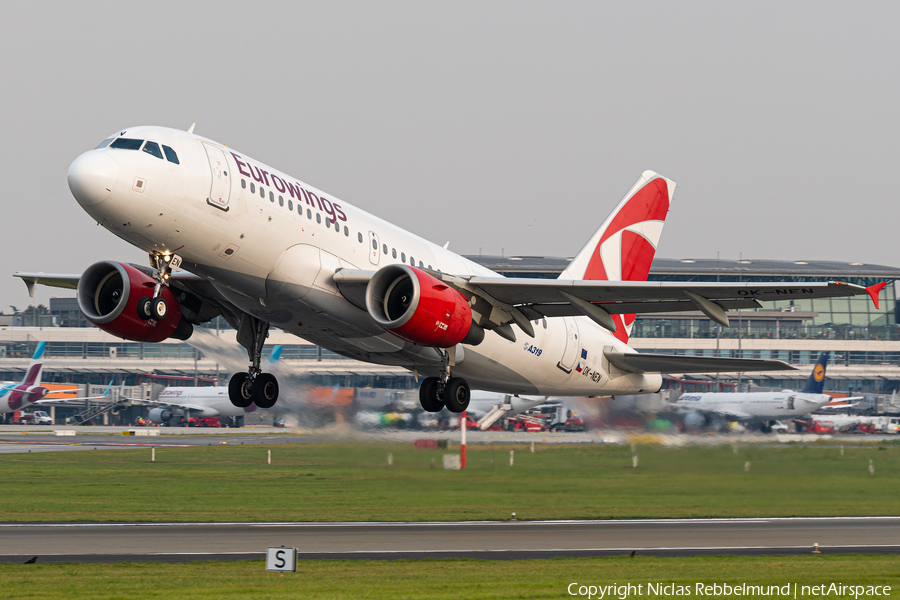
(623, 248)
(816, 382)
(33, 374)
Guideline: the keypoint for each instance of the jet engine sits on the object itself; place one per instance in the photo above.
(418, 308)
(108, 294)
(160, 416)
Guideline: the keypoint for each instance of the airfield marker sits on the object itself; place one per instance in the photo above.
(532, 447)
(746, 466)
(871, 467)
(462, 450)
(634, 461)
(511, 454)
(390, 459)
(270, 457)
(153, 454)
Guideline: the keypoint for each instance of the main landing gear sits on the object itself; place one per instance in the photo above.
(254, 386)
(438, 392)
(155, 308)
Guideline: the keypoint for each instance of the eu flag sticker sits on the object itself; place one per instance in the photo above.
(584, 354)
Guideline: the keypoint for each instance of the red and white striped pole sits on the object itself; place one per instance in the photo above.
(462, 452)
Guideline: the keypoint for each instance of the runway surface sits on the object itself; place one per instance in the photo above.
(175, 542)
(19, 439)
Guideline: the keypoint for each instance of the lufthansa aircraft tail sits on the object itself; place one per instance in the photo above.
(622, 249)
(816, 382)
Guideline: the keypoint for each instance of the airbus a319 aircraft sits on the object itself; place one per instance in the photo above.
(757, 409)
(18, 395)
(261, 248)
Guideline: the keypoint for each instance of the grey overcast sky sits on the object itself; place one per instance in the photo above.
(515, 125)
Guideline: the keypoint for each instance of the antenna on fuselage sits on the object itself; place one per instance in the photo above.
(191, 128)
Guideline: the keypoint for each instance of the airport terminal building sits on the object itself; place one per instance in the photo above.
(863, 340)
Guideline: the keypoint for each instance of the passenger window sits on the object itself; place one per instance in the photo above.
(318, 218)
(309, 214)
(544, 323)
(290, 204)
(403, 257)
(420, 264)
(252, 188)
(429, 268)
(412, 261)
(272, 197)
(299, 210)
(393, 253)
(104, 143)
(126, 144)
(347, 231)
(384, 248)
(359, 236)
(280, 201)
(262, 192)
(153, 149)
(172, 157)
(243, 184)
(374, 244)
(328, 223)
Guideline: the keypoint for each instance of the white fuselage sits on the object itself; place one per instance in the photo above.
(753, 406)
(213, 402)
(270, 244)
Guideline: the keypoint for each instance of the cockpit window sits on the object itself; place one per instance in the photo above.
(104, 143)
(126, 144)
(153, 148)
(170, 155)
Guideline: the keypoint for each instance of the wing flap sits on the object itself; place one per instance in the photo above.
(668, 363)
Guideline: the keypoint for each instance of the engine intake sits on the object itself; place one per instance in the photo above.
(108, 293)
(420, 309)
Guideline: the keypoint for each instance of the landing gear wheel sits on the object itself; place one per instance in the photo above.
(265, 390)
(240, 390)
(143, 308)
(457, 394)
(159, 309)
(428, 397)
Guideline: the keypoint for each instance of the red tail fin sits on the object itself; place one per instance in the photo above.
(622, 249)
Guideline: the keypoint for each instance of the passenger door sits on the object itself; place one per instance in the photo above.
(220, 188)
(374, 252)
(572, 345)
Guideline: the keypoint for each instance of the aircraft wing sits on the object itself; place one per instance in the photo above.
(668, 363)
(48, 279)
(211, 303)
(521, 300)
(55, 400)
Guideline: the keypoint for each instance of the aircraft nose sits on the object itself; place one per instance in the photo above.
(92, 177)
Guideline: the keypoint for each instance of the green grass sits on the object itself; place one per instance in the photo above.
(432, 578)
(349, 482)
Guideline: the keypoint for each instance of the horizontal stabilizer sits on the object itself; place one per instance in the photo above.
(668, 363)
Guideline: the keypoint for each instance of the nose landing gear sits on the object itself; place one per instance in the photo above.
(254, 386)
(155, 308)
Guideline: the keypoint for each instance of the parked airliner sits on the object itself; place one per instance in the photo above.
(208, 401)
(261, 248)
(18, 395)
(757, 409)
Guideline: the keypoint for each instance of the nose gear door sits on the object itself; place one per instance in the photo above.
(220, 189)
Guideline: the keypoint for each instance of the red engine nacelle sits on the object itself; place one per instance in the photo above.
(418, 308)
(108, 293)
